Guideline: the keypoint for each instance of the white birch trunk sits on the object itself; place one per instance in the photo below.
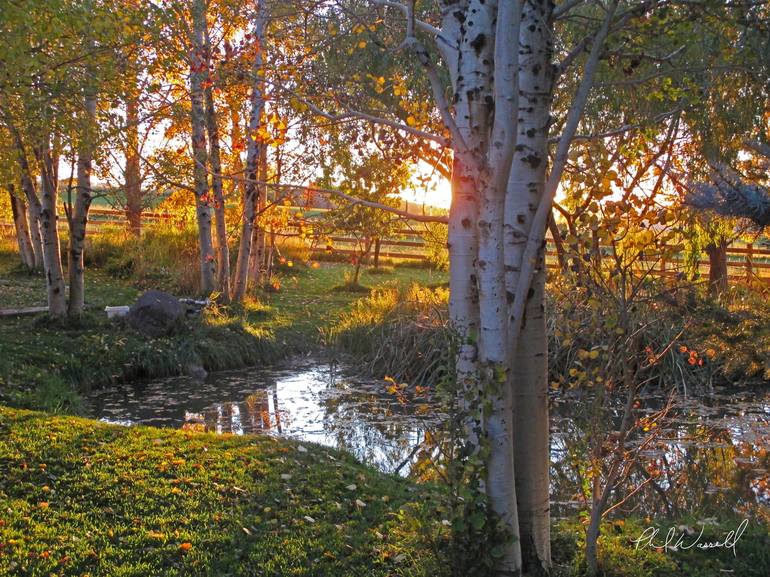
(484, 88)
(528, 378)
(198, 75)
(79, 217)
(257, 104)
(257, 255)
(55, 289)
(34, 209)
(215, 162)
(531, 392)
(21, 225)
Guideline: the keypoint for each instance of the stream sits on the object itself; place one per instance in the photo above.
(310, 401)
(711, 453)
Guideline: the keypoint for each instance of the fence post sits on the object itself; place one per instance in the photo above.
(749, 263)
(377, 244)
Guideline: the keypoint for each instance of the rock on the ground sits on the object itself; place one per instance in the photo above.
(155, 313)
(197, 372)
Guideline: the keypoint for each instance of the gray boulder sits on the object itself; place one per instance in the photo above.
(155, 313)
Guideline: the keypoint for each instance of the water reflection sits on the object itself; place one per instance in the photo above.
(310, 401)
(710, 456)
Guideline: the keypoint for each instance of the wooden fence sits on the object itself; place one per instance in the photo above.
(745, 262)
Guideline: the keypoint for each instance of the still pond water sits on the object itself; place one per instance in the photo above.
(712, 452)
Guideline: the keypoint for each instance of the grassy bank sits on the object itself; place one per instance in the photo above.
(45, 365)
(621, 556)
(83, 498)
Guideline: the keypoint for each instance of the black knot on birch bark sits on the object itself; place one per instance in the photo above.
(478, 43)
(533, 160)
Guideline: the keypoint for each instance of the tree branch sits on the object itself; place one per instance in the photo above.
(537, 233)
(350, 113)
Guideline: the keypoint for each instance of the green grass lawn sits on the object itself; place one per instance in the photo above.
(45, 365)
(308, 301)
(83, 498)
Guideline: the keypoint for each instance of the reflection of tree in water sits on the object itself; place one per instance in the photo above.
(708, 459)
(380, 428)
(258, 413)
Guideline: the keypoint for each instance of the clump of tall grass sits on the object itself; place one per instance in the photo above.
(350, 284)
(405, 334)
(401, 333)
(163, 257)
(293, 249)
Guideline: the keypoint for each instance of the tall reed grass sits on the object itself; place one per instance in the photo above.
(163, 257)
(401, 333)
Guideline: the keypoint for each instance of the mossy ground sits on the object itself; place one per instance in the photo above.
(82, 498)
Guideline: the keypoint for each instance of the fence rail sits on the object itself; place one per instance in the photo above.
(745, 262)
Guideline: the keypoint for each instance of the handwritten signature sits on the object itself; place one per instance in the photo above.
(676, 540)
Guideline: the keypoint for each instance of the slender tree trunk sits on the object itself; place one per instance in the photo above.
(33, 220)
(236, 144)
(198, 75)
(493, 364)
(57, 299)
(717, 253)
(600, 495)
(261, 203)
(257, 256)
(531, 433)
(377, 246)
(133, 176)
(21, 224)
(250, 206)
(481, 169)
(33, 202)
(79, 217)
(528, 377)
(215, 162)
